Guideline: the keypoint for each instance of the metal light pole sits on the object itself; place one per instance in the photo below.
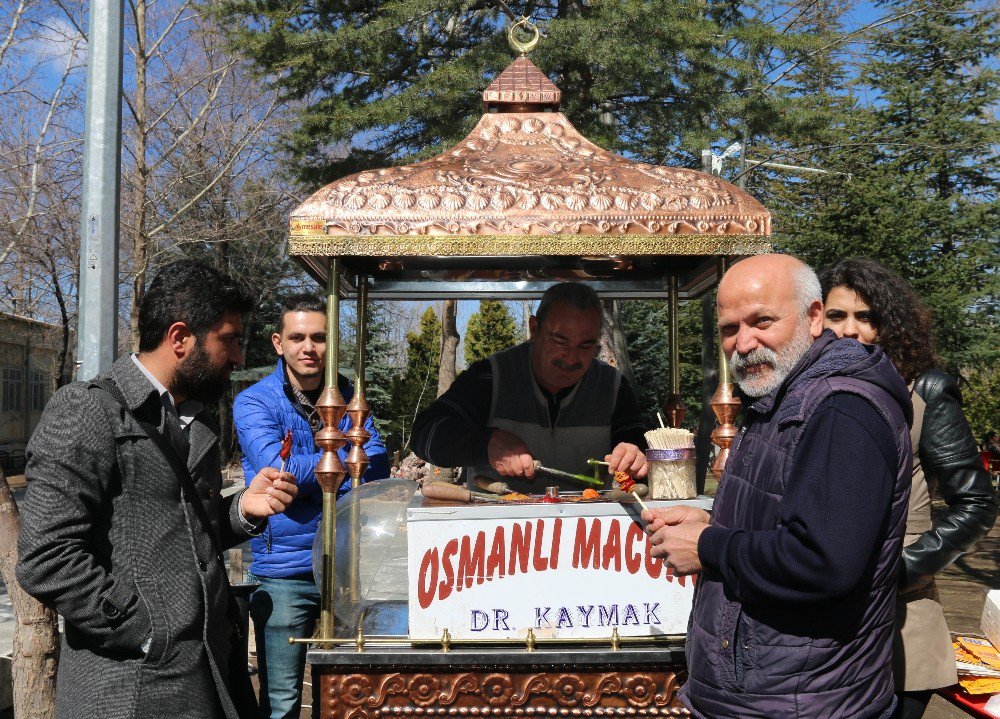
(97, 332)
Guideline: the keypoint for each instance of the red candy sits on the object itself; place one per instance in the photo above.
(286, 446)
(551, 500)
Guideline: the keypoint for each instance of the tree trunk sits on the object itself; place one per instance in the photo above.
(613, 349)
(449, 346)
(36, 631)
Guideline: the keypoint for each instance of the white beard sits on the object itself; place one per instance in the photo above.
(780, 362)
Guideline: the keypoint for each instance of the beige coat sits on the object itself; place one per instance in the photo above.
(923, 657)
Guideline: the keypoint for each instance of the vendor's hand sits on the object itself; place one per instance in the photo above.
(510, 456)
(270, 492)
(627, 458)
(674, 533)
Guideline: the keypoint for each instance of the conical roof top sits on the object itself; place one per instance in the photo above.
(521, 82)
(525, 182)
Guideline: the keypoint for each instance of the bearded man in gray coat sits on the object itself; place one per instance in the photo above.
(124, 526)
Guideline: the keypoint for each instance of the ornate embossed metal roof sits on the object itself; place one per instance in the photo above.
(525, 183)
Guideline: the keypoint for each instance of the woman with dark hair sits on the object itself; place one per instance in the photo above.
(864, 300)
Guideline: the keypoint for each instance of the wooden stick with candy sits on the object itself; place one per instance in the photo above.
(286, 449)
(627, 484)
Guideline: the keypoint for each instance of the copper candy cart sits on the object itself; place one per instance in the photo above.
(522, 202)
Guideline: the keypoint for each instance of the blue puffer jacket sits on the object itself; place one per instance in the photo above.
(262, 413)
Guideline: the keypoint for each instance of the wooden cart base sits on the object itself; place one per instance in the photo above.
(580, 683)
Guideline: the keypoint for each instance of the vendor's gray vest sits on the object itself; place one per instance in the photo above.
(811, 661)
(582, 428)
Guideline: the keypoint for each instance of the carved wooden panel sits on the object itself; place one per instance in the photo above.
(453, 693)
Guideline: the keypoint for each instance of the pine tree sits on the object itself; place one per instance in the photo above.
(381, 372)
(490, 330)
(647, 334)
(921, 194)
(384, 83)
(416, 388)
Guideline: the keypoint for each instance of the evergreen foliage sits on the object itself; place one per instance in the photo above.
(982, 400)
(385, 83)
(380, 371)
(920, 193)
(416, 388)
(490, 330)
(647, 334)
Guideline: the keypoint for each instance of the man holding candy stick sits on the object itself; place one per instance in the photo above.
(124, 524)
(795, 604)
(276, 420)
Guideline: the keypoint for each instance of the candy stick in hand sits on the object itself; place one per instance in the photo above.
(286, 449)
(627, 484)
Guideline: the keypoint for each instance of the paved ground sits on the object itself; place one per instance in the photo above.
(963, 588)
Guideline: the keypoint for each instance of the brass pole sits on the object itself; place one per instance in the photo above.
(675, 352)
(330, 469)
(357, 435)
(361, 383)
(357, 410)
(724, 403)
(674, 408)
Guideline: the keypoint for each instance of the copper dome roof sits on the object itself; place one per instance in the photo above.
(525, 183)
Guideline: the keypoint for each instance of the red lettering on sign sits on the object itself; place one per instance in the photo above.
(556, 537)
(428, 577)
(496, 562)
(613, 546)
(653, 566)
(444, 589)
(586, 546)
(520, 544)
(538, 562)
(633, 557)
(471, 562)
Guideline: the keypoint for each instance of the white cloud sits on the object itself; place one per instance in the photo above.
(56, 39)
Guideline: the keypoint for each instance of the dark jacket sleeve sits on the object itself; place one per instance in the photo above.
(832, 516)
(628, 422)
(70, 473)
(949, 456)
(452, 432)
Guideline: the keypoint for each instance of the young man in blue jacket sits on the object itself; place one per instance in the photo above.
(287, 603)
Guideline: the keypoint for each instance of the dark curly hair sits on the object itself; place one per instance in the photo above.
(900, 318)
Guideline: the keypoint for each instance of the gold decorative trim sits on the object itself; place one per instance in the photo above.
(520, 245)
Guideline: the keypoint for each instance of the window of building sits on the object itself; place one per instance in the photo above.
(39, 387)
(12, 389)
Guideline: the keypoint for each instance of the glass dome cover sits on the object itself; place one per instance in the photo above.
(370, 573)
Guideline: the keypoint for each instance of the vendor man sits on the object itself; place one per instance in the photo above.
(548, 399)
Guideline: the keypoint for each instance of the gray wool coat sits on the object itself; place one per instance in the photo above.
(109, 541)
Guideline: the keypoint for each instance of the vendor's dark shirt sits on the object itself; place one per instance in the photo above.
(462, 437)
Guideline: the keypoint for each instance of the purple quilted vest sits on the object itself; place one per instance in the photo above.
(825, 661)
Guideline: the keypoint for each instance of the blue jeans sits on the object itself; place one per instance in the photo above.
(283, 608)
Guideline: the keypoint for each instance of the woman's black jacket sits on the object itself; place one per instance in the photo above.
(949, 456)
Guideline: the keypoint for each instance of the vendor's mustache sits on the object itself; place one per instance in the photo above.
(740, 362)
(568, 367)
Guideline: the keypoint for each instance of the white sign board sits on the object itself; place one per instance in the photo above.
(563, 570)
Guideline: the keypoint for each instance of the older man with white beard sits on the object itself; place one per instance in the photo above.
(794, 610)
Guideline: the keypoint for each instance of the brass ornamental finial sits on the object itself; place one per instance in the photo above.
(523, 46)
